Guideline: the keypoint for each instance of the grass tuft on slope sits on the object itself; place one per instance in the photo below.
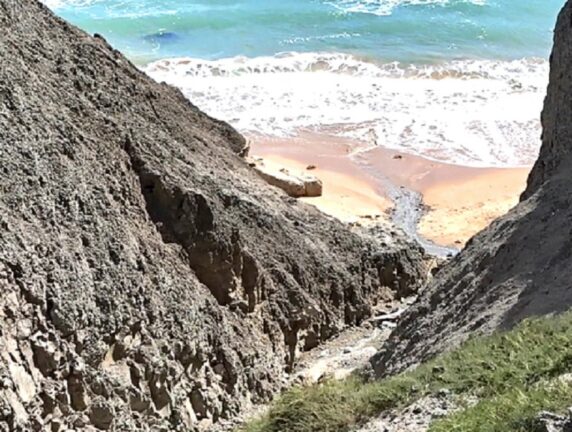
(513, 374)
(513, 411)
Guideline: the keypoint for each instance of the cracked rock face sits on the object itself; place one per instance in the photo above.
(550, 422)
(521, 266)
(150, 279)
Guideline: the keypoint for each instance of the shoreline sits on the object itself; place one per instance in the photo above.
(442, 205)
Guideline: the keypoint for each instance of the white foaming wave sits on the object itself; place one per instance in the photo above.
(386, 7)
(287, 62)
(473, 112)
(130, 9)
(299, 39)
(59, 4)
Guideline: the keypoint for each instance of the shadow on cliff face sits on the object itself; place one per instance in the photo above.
(544, 261)
(521, 266)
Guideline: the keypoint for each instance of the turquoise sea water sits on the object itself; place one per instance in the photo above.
(456, 80)
(403, 30)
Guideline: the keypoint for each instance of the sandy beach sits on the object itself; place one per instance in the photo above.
(358, 181)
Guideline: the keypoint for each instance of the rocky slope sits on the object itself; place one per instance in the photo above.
(521, 265)
(150, 279)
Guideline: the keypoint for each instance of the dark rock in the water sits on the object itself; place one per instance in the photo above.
(162, 37)
(521, 265)
(150, 279)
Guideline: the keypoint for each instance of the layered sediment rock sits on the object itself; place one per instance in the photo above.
(150, 279)
(521, 265)
(296, 186)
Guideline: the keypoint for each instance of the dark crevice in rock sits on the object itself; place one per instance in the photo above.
(184, 217)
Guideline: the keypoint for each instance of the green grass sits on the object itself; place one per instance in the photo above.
(512, 374)
(513, 411)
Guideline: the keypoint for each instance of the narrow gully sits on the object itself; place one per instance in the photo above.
(408, 209)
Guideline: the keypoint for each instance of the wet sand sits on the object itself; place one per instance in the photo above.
(360, 184)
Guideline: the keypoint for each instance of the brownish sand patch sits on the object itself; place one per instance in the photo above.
(462, 207)
(348, 193)
(461, 200)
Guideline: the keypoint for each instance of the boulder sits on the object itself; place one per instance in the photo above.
(550, 422)
(297, 186)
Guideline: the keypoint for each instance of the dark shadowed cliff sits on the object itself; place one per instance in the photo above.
(521, 265)
(149, 279)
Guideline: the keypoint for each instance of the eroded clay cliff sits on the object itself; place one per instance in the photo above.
(521, 265)
(150, 280)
